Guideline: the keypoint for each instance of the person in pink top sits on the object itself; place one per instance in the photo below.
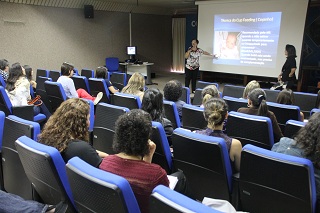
(135, 151)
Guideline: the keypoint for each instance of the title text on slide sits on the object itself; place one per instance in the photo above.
(247, 20)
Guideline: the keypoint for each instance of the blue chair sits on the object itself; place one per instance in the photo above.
(126, 100)
(250, 129)
(75, 72)
(166, 200)
(54, 75)
(2, 117)
(235, 103)
(197, 98)
(192, 117)
(81, 82)
(25, 112)
(162, 155)
(233, 91)
(292, 127)
(55, 94)
(275, 182)
(118, 79)
(87, 73)
(14, 178)
(42, 91)
(185, 95)
(171, 112)
(2, 82)
(203, 84)
(314, 110)
(272, 95)
(42, 73)
(284, 113)
(46, 170)
(97, 85)
(95, 190)
(306, 102)
(103, 130)
(112, 64)
(205, 162)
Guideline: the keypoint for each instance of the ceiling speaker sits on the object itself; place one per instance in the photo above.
(88, 11)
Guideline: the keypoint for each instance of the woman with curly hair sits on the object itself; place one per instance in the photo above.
(67, 131)
(135, 85)
(210, 91)
(135, 152)
(172, 92)
(306, 144)
(249, 87)
(215, 112)
(152, 103)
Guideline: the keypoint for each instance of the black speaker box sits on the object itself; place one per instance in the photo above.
(88, 11)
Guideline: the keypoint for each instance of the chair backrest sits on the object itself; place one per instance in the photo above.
(162, 155)
(185, 95)
(14, 178)
(197, 98)
(87, 73)
(192, 117)
(54, 75)
(104, 126)
(112, 64)
(2, 117)
(81, 82)
(5, 103)
(314, 110)
(75, 72)
(272, 95)
(306, 102)
(205, 162)
(95, 190)
(235, 103)
(119, 80)
(203, 84)
(55, 94)
(41, 90)
(42, 72)
(270, 179)
(171, 112)
(126, 100)
(167, 200)
(2, 82)
(97, 85)
(45, 169)
(250, 129)
(284, 113)
(233, 91)
(292, 127)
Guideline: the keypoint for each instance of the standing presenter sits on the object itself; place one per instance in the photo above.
(192, 66)
(287, 74)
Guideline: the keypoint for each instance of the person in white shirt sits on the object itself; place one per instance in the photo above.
(69, 88)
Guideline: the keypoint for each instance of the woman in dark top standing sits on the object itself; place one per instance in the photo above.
(67, 131)
(287, 74)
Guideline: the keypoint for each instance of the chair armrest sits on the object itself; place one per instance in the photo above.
(235, 196)
(25, 112)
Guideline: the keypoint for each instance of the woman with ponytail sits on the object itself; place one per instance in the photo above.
(257, 105)
(215, 112)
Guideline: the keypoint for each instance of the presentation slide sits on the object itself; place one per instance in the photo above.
(249, 36)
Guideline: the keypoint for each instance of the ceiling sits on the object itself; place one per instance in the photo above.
(158, 7)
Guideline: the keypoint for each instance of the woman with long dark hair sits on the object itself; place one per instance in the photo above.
(289, 68)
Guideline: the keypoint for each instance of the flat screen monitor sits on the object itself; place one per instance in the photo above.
(131, 50)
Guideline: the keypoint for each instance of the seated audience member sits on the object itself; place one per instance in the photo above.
(215, 112)
(286, 97)
(210, 91)
(102, 72)
(305, 144)
(249, 87)
(172, 92)
(69, 88)
(67, 131)
(18, 90)
(135, 85)
(4, 69)
(257, 105)
(152, 103)
(29, 75)
(131, 141)
(13, 203)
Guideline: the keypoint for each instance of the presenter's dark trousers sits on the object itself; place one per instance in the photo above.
(191, 75)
